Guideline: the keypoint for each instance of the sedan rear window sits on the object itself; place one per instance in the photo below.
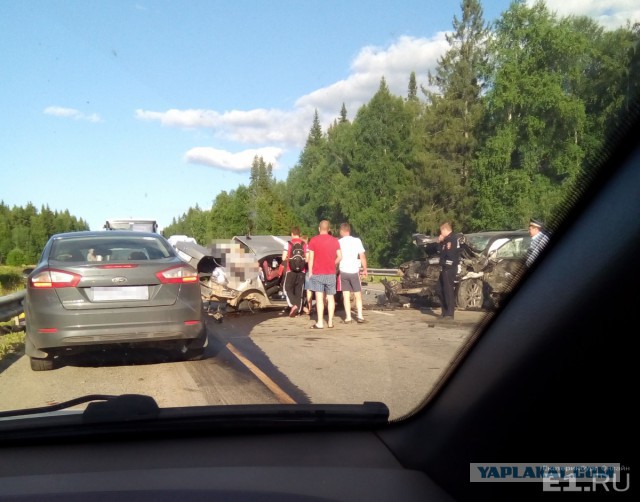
(96, 249)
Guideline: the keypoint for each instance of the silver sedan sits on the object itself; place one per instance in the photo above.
(111, 288)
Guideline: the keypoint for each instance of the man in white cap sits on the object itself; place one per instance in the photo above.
(539, 240)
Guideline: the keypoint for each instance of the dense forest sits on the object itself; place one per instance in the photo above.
(513, 121)
(24, 231)
(513, 118)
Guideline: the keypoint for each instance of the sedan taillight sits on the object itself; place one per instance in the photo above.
(178, 275)
(52, 278)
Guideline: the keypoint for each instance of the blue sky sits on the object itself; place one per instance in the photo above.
(145, 108)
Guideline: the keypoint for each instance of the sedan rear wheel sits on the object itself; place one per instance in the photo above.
(194, 350)
(470, 294)
(194, 354)
(38, 364)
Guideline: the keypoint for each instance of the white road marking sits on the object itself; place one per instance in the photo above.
(381, 313)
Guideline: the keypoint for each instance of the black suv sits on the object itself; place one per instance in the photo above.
(489, 262)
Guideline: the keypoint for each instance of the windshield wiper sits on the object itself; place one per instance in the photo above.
(125, 407)
(56, 407)
(102, 407)
(137, 415)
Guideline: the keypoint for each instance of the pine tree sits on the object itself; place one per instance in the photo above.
(412, 94)
(378, 176)
(343, 114)
(307, 183)
(453, 112)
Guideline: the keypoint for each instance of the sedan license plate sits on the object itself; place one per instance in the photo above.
(114, 293)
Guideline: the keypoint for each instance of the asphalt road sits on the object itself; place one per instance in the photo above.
(396, 357)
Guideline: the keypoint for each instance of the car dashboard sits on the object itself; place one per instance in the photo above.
(336, 466)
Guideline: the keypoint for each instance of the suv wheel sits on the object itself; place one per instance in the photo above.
(470, 294)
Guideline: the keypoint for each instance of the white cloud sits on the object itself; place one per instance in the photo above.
(394, 63)
(181, 118)
(72, 113)
(259, 126)
(290, 128)
(240, 161)
(609, 13)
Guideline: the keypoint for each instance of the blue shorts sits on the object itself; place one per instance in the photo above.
(325, 283)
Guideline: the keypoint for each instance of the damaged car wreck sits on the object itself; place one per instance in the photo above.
(489, 263)
(245, 272)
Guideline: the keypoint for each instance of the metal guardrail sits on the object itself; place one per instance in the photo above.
(384, 271)
(11, 305)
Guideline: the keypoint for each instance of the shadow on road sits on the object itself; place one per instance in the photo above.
(121, 356)
(235, 329)
(10, 358)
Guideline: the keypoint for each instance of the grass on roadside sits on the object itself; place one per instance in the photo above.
(11, 342)
(11, 279)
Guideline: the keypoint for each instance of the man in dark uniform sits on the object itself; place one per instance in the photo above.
(449, 258)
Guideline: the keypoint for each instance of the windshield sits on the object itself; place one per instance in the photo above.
(109, 248)
(478, 242)
(289, 152)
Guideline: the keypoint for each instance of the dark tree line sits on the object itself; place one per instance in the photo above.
(514, 116)
(24, 231)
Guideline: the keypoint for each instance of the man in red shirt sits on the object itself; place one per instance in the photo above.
(324, 256)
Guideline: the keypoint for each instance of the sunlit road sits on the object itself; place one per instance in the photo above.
(395, 357)
(214, 380)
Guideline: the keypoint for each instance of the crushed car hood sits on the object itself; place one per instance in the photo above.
(263, 245)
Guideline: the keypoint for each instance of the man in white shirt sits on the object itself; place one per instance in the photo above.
(353, 258)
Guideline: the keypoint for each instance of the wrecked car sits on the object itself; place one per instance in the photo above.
(489, 262)
(245, 272)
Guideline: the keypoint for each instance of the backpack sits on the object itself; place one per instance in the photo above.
(296, 256)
